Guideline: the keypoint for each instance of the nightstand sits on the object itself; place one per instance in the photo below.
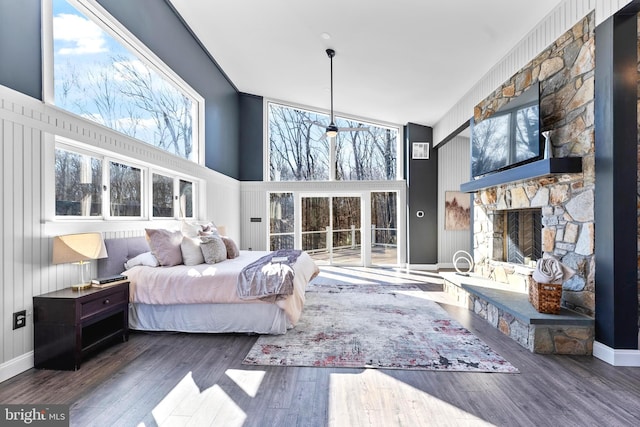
(69, 325)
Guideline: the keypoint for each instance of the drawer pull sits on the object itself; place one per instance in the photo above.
(106, 301)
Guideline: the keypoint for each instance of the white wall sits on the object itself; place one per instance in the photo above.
(27, 127)
(454, 159)
(562, 18)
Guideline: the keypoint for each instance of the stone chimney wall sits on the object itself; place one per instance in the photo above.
(565, 71)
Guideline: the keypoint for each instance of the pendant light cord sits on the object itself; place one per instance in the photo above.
(331, 88)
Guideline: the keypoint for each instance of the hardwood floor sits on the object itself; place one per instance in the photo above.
(199, 380)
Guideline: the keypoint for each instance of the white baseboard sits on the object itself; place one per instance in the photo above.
(616, 357)
(16, 366)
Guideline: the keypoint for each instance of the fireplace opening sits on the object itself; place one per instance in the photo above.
(523, 235)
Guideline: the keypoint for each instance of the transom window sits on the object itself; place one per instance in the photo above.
(299, 150)
(104, 75)
(124, 191)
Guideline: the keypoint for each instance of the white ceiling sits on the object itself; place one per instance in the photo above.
(396, 61)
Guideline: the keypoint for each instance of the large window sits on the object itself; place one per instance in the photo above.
(83, 190)
(300, 151)
(101, 74)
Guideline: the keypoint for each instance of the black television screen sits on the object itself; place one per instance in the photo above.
(508, 138)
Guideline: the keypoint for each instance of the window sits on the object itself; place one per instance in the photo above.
(162, 193)
(106, 76)
(281, 221)
(125, 189)
(83, 190)
(300, 151)
(78, 184)
(186, 199)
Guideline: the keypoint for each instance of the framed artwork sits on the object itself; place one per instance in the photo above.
(420, 150)
(457, 210)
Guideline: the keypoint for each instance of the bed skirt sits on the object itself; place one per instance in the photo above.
(209, 318)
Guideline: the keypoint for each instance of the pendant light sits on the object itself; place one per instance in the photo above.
(332, 129)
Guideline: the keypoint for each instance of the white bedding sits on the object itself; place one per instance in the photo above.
(213, 283)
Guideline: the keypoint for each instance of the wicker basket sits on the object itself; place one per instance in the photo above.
(545, 297)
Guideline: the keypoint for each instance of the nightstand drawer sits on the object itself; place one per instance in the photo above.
(105, 302)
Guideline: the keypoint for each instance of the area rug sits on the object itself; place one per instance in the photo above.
(376, 326)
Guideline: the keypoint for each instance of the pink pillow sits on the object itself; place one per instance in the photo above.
(165, 245)
(232, 248)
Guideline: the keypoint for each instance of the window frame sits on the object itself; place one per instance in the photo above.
(332, 146)
(146, 186)
(97, 14)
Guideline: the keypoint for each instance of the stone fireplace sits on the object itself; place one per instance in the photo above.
(563, 225)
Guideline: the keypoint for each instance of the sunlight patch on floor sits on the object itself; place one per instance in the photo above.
(365, 275)
(341, 277)
(372, 398)
(248, 381)
(186, 404)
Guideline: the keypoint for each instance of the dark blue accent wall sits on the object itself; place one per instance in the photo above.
(157, 25)
(21, 46)
(251, 137)
(422, 195)
(616, 167)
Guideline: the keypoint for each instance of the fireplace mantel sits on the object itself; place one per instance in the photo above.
(537, 169)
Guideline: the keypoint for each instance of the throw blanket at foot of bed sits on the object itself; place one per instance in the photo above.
(269, 278)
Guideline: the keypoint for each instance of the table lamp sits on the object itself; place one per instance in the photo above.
(79, 249)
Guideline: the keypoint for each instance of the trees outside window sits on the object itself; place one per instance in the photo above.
(105, 79)
(80, 185)
(300, 151)
(281, 221)
(162, 195)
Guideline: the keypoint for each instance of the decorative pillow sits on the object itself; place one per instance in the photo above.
(145, 258)
(191, 229)
(165, 245)
(191, 252)
(213, 249)
(232, 248)
(209, 230)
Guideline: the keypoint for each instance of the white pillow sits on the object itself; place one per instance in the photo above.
(191, 229)
(146, 258)
(191, 252)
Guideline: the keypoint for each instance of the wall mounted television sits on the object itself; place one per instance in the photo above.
(508, 138)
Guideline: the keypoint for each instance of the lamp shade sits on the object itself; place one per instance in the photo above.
(78, 247)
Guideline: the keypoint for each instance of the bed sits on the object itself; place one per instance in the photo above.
(203, 298)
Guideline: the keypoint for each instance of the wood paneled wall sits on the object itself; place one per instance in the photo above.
(454, 159)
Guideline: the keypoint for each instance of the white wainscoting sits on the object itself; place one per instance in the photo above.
(454, 159)
(27, 127)
(562, 18)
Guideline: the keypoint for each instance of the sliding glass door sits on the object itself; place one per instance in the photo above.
(384, 228)
(359, 229)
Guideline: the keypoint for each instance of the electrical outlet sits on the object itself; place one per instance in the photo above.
(19, 319)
